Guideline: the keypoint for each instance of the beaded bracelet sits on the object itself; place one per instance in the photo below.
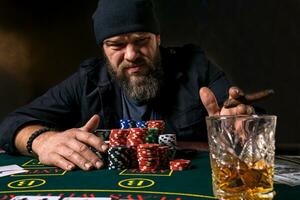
(35, 135)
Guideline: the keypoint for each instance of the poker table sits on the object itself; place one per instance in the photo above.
(194, 183)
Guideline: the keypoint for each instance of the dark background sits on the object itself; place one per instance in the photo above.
(255, 42)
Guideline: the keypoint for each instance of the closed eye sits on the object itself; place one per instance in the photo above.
(115, 45)
(142, 41)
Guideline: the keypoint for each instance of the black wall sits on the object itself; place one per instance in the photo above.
(255, 42)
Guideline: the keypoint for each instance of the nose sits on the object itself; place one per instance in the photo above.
(131, 52)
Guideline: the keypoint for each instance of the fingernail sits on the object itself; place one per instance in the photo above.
(104, 147)
(88, 165)
(99, 164)
(250, 110)
(98, 154)
(69, 167)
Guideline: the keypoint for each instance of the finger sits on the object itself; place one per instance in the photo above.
(250, 110)
(235, 92)
(243, 109)
(61, 162)
(91, 140)
(209, 101)
(92, 124)
(86, 153)
(238, 110)
(74, 157)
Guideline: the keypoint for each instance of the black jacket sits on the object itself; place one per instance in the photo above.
(92, 91)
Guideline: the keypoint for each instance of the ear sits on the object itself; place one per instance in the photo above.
(158, 39)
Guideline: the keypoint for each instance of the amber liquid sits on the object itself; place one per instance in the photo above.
(237, 180)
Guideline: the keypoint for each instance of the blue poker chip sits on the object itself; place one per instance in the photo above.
(127, 123)
(141, 124)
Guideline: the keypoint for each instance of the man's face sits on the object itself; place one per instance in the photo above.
(134, 60)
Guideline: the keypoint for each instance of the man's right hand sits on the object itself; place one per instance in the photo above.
(70, 148)
(210, 103)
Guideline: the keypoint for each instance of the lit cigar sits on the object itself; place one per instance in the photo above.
(248, 98)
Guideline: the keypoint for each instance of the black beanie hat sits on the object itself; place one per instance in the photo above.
(115, 17)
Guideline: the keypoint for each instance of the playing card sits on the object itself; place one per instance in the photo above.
(287, 170)
(11, 169)
(291, 179)
(8, 173)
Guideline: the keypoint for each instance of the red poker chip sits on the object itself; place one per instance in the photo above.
(118, 137)
(160, 124)
(148, 146)
(146, 156)
(179, 164)
(147, 159)
(148, 164)
(177, 169)
(143, 169)
(136, 136)
(138, 130)
(144, 151)
(181, 161)
(148, 170)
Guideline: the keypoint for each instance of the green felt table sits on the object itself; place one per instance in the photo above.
(194, 183)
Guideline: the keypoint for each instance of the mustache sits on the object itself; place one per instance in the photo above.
(138, 62)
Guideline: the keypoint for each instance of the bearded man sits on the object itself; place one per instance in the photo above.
(133, 78)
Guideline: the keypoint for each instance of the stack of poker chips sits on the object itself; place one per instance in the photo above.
(170, 141)
(152, 136)
(135, 138)
(118, 152)
(155, 128)
(148, 157)
(118, 137)
(142, 145)
(118, 158)
(179, 164)
(158, 124)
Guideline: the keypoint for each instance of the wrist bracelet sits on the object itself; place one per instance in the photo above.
(35, 135)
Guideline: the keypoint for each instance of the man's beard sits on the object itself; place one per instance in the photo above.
(143, 86)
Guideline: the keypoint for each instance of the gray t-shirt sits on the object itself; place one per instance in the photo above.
(137, 111)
